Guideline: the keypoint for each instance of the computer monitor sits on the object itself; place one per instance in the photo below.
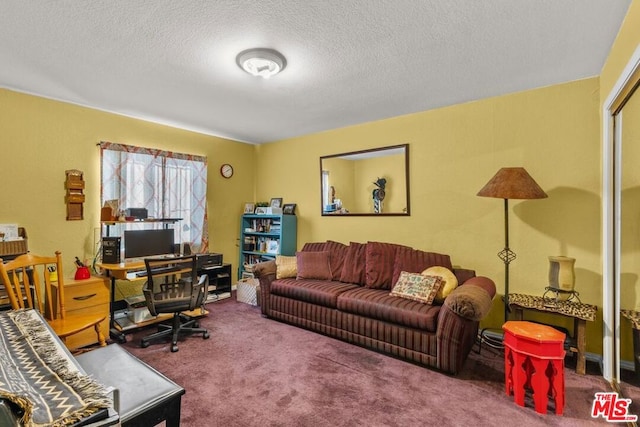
(144, 243)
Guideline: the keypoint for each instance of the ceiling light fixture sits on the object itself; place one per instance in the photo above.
(261, 62)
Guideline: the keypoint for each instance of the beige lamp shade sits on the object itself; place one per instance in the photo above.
(561, 273)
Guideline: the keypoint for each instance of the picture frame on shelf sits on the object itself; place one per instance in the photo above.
(289, 209)
(276, 202)
(273, 246)
(249, 208)
(261, 210)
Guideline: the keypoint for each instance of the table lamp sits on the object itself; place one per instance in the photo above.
(510, 183)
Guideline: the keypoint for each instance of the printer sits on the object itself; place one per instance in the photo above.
(205, 261)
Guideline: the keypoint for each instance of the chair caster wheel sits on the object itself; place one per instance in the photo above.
(144, 344)
(205, 336)
(174, 348)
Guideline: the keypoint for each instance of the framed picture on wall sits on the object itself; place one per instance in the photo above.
(289, 209)
(249, 208)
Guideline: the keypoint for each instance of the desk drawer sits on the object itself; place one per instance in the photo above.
(92, 292)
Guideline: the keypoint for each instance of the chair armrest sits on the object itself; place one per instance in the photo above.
(199, 291)
(459, 319)
(265, 272)
(473, 299)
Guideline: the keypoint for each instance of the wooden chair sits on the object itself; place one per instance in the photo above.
(37, 282)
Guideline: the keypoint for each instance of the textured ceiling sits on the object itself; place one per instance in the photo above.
(348, 61)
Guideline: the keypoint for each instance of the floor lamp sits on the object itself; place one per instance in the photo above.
(510, 183)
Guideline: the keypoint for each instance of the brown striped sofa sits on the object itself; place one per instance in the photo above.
(354, 304)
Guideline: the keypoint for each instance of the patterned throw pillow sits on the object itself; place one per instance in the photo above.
(286, 266)
(417, 287)
(449, 281)
(313, 265)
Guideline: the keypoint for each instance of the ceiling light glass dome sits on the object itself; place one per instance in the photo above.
(261, 62)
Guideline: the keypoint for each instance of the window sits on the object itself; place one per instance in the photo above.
(168, 185)
(325, 190)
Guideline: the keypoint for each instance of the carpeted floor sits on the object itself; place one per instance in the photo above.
(258, 372)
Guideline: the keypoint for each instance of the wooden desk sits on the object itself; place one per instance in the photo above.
(578, 311)
(124, 271)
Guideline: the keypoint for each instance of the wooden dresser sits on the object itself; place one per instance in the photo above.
(87, 296)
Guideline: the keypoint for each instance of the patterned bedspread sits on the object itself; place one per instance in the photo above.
(37, 375)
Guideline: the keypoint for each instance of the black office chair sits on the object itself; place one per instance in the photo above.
(173, 287)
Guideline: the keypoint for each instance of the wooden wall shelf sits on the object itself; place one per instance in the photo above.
(75, 197)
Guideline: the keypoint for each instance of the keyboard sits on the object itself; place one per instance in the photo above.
(159, 270)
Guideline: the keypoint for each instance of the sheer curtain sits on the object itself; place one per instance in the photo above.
(167, 184)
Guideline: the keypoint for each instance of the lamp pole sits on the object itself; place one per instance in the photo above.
(506, 255)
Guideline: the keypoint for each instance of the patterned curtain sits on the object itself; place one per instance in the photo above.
(169, 185)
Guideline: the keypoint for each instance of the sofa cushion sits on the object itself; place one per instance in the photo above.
(450, 281)
(379, 264)
(313, 265)
(320, 292)
(355, 258)
(286, 266)
(415, 261)
(417, 287)
(379, 305)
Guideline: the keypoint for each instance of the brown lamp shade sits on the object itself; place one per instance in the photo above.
(512, 183)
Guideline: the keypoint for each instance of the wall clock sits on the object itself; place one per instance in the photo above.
(226, 170)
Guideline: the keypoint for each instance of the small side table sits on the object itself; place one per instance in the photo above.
(534, 359)
(580, 312)
(634, 317)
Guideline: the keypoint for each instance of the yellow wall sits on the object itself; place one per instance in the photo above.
(625, 44)
(553, 132)
(454, 151)
(627, 41)
(42, 138)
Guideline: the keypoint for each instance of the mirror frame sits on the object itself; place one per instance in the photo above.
(625, 85)
(371, 150)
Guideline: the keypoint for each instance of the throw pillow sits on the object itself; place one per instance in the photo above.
(314, 247)
(337, 252)
(353, 269)
(417, 287)
(415, 261)
(450, 281)
(470, 301)
(379, 268)
(286, 266)
(313, 265)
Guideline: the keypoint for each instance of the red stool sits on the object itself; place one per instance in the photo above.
(534, 359)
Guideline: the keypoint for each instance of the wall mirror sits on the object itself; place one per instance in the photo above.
(372, 182)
